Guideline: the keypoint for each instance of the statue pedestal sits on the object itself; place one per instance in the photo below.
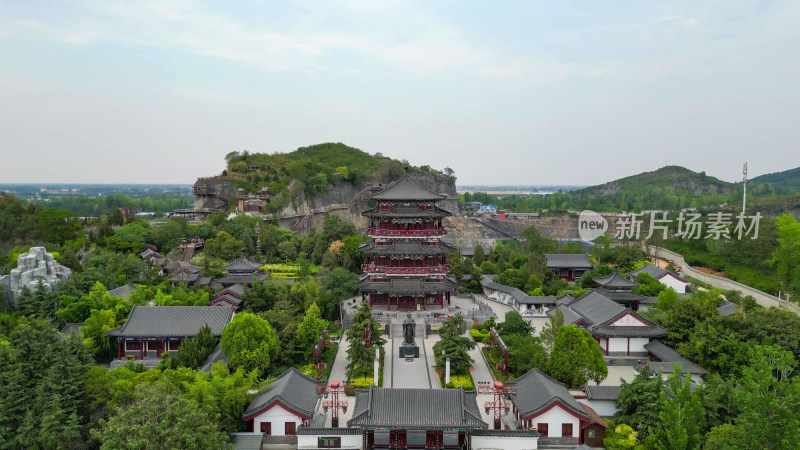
(409, 351)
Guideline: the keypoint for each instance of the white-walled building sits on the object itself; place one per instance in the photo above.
(618, 330)
(666, 277)
(547, 405)
(287, 405)
(527, 305)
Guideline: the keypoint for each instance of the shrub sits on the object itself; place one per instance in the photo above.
(479, 336)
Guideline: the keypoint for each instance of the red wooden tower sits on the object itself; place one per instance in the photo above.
(405, 266)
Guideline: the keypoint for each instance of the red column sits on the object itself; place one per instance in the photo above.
(120, 353)
(141, 349)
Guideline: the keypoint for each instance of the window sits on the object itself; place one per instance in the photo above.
(132, 345)
(450, 439)
(382, 438)
(329, 442)
(266, 427)
(591, 433)
(174, 345)
(542, 428)
(566, 430)
(415, 438)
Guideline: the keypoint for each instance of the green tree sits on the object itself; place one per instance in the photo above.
(360, 357)
(223, 246)
(621, 437)
(57, 225)
(667, 299)
(681, 416)
(193, 351)
(639, 401)
(550, 329)
(159, 418)
(576, 357)
(515, 324)
(786, 256)
(478, 256)
(309, 331)
(42, 396)
(770, 398)
(102, 347)
(453, 346)
(250, 342)
(727, 437)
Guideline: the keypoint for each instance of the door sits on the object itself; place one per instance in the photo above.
(266, 428)
(542, 429)
(566, 430)
(290, 428)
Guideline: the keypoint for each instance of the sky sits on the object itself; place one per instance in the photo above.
(533, 93)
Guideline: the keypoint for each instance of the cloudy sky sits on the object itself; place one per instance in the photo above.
(503, 92)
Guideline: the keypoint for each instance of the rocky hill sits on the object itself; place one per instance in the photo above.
(300, 187)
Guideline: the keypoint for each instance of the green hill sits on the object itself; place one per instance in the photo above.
(679, 179)
(789, 179)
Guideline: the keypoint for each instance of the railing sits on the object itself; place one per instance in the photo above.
(371, 268)
(376, 232)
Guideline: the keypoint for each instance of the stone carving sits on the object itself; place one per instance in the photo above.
(32, 267)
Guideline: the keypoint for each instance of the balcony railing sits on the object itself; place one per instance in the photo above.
(377, 232)
(371, 268)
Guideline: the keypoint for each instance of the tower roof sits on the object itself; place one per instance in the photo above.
(407, 189)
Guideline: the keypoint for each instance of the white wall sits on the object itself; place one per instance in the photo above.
(670, 281)
(504, 443)
(618, 345)
(349, 441)
(628, 320)
(605, 408)
(278, 416)
(554, 418)
(637, 344)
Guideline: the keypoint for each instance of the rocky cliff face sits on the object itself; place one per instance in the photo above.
(213, 193)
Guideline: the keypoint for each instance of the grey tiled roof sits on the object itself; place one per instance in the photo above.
(237, 290)
(626, 296)
(123, 292)
(406, 248)
(602, 392)
(536, 392)
(416, 408)
(407, 189)
(185, 277)
(655, 272)
(408, 286)
(598, 311)
(308, 431)
(243, 265)
(230, 299)
(669, 367)
(628, 331)
(649, 269)
(240, 279)
(595, 307)
(663, 352)
(407, 211)
(615, 280)
(294, 390)
(568, 261)
(173, 321)
(507, 433)
(726, 308)
(519, 296)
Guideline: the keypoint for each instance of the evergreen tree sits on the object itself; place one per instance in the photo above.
(576, 357)
(453, 346)
(360, 357)
(478, 256)
(681, 416)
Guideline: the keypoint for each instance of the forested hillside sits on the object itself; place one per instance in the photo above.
(788, 179)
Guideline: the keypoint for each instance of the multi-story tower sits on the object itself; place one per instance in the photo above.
(405, 266)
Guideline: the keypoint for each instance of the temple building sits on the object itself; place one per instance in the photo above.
(620, 289)
(405, 266)
(567, 266)
(151, 331)
(242, 272)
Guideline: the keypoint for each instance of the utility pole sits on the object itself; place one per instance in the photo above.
(744, 188)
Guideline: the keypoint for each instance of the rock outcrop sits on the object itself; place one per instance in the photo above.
(32, 268)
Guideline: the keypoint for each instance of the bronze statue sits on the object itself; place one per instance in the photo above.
(408, 330)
